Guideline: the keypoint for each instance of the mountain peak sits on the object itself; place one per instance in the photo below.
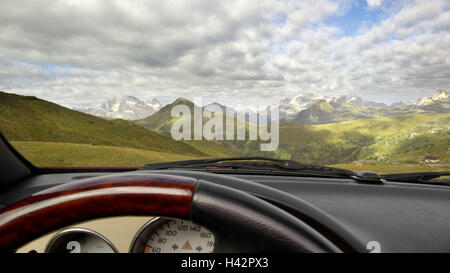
(125, 107)
(439, 96)
(289, 107)
(181, 100)
(129, 97)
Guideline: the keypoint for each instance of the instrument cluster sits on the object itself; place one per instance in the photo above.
(160, 235)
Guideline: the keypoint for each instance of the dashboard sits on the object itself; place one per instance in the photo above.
(391, 217)
(155, 211)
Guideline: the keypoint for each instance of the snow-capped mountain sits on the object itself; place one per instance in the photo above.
(289, 107)
(440, 96)
(311, 109)
(131, 108)
(154, 103)
(299, 103)
(127, 107)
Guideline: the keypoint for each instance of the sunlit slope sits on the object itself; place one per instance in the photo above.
(76, 155)
(406, 139)
(25, 118)
(323, 112)
(384, 168)
(162, 120)
(401, 138)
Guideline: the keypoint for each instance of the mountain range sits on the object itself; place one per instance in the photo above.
(309, 109)
(303, 109)
(321, 111)
(292, 106)
(127, 107)
(319, 133)
(51, 135)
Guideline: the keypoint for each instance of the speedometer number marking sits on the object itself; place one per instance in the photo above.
(179, 236)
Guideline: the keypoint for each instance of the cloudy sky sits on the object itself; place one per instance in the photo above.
(82, 52)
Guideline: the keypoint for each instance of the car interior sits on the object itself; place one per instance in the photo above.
(153, 210)
(232, 134)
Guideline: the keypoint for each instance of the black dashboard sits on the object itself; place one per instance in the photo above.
(389, 217)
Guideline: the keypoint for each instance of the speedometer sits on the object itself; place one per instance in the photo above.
(163, 235)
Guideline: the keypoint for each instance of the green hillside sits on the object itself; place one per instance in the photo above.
(49, 134)
(323, 112)
(401, 139)
(161, 121)
(24, 118)
(46, 154)
(393, 140)
(405, 139)
(383, 168)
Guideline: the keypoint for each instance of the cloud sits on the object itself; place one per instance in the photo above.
(374, 4)
(84, 52)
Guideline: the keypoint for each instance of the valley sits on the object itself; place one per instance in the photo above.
(51, 135)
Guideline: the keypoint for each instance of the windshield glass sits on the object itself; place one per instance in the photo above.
(353, 84)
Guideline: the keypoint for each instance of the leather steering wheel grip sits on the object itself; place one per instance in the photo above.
(246, 223)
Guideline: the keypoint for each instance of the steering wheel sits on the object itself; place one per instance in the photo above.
(247, 223)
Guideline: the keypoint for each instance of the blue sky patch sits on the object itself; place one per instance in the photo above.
(354, 18)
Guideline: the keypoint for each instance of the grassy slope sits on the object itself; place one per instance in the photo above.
(162, 118)
(391, 168)
(30, 119)
(74, 155)
(25, 118)
(323, 112)
(406, 139)
(162, 121)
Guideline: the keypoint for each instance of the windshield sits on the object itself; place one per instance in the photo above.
(357, 85)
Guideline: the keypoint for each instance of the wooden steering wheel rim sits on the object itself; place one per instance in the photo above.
(245, 222)
(115, 195)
